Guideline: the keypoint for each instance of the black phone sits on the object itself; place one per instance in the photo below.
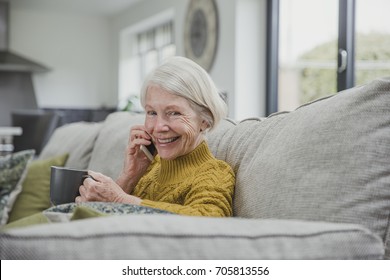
(149, 151)
(151, 148)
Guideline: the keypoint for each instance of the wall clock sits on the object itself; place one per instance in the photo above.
(201, 32)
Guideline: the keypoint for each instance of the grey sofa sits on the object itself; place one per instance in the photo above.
(313, 183)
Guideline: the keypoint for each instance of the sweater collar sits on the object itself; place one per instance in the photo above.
(183, 166)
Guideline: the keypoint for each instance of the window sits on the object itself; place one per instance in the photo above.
(317, 48)
(307, 51)
(141, 51)
(372, 40)
(153, 46)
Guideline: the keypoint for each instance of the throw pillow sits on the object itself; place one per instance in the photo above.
(106, 208)
(36, 219)
(35, 195)
(82, 212)
(71, 211)
(13, 169)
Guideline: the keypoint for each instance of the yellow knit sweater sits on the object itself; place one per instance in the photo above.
(194, 184)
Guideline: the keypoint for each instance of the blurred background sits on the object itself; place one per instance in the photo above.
(87, 58)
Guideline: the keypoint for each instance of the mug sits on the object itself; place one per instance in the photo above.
(65, 183)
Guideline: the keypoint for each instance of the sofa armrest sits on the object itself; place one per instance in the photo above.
(182, 237)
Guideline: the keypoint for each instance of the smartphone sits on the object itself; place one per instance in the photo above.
(149, 151)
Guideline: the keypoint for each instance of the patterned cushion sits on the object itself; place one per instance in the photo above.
(13, 169)
(107, 208)
(71, 211)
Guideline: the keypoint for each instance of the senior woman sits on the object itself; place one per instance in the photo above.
(181, 104)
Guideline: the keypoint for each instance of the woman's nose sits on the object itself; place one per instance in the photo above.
(161, 125)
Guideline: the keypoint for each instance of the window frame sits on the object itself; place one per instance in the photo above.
(346, 44)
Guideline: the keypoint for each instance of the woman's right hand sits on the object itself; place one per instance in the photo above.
(136, 162)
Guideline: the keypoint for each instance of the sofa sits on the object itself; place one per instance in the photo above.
(313, 183)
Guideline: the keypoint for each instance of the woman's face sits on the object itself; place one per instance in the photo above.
(172, 123)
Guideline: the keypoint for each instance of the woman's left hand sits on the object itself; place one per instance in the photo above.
(103, 188)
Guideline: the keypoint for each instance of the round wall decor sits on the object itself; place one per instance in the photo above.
(201, 32)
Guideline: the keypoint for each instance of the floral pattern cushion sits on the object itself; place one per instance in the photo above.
(107, 208)
(13, 169)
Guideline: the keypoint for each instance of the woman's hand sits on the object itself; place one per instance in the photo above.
(136, 162)
(103, 188)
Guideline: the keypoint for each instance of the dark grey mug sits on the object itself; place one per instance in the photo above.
(65, 183)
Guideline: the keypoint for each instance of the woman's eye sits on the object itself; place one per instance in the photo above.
(174, 113)
(151, 113)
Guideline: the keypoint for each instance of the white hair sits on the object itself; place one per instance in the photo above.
(185, 78)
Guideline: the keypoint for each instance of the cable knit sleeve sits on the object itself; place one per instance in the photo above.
(210, 193)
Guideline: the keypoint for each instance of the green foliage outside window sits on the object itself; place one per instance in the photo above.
(372, 61)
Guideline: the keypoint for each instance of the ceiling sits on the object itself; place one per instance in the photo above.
(94, 7)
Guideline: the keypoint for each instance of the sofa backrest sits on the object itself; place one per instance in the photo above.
(326, 161)
(76, 139)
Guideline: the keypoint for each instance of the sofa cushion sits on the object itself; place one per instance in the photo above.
(215, 136)
(326, 161)
(75, 139)
(182, 237)
(109, 150)
(35, 195)
(13, 169)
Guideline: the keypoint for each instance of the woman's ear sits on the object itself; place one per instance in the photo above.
(204, 126)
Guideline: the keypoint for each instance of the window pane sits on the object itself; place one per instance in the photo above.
(307, 51)
(372, 40)
(140, 52)
(150, 62)
(168, 51)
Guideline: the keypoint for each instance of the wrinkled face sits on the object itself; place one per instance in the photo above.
(172, 123)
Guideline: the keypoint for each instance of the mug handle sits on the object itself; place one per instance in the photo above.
(87, 176)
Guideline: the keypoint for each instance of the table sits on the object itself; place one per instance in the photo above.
(6, 138)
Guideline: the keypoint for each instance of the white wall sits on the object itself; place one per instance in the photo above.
(83, 52)
(78, 50)
(239, 66)
(223, 69)
(250, 59)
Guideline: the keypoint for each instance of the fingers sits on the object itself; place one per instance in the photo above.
(83, 194)
(100, 188)
(89, 186)
(96, 176)
(87, 190)
(138, 137)
(139, 132)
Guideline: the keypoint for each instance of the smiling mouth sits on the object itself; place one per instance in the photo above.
(167, 140)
